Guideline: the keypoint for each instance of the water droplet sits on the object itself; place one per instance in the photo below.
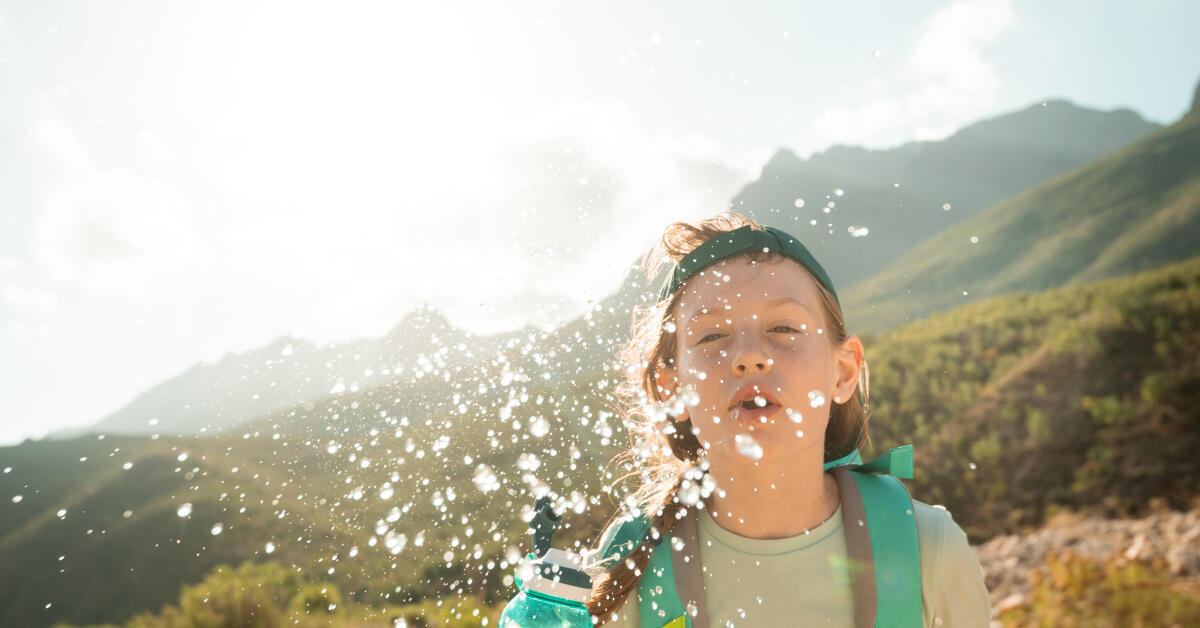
(816, 399)
(127, 466)
(760, 401)
(876, 53)
(8, 469)
(974, 239)
(799, 433)
(839, 191)
(386, 492)
(748, 447)
(972, 466)
(17, 499)
(689, 396)
(799, 202)
(127, 514)
(794, 416)
(217, 528)
(62, 512)
(270, 547)
(539, 427)
(946, 207)
(485, 479)
(669, 327)
(181, 457)
(184, 510)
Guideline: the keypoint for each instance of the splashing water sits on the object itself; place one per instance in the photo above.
(485, 479)
(748, 447)
(539, 427)
(816, 399)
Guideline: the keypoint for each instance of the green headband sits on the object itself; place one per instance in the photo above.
(742, 240)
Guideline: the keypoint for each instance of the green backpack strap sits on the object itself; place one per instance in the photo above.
(658, 601)
(892, 528)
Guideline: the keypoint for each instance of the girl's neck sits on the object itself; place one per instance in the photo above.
(773, 500)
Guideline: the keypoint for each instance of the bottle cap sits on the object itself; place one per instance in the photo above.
(559, 574)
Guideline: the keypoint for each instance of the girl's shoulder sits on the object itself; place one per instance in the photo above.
(952, 580)
(936, 528)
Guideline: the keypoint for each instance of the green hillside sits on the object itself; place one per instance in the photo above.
(386, 508)
(1136, 209)
(1081, 397)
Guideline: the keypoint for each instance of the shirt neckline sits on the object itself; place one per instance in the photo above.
(709, 529)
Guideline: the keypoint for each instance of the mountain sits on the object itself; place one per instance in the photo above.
(1135, 209)
(211, 398)
(1081, 397)
(901, 195)
(424, 364)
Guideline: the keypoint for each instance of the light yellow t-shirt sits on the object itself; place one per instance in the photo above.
(803, 581)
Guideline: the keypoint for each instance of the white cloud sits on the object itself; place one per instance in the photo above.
(945, 82)
(108, 229)
(34, 302)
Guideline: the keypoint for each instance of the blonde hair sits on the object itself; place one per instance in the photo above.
(661, 452)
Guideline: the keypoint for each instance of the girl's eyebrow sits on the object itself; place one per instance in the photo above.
(706, 311)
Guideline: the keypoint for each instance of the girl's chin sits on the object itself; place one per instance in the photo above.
(766, 443)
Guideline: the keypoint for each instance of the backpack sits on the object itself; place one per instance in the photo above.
(887, 590)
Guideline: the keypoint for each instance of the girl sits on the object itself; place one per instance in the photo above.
(746, 416)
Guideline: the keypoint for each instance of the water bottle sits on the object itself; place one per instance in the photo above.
(555, 589)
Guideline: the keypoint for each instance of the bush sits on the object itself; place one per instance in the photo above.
(1076, 591)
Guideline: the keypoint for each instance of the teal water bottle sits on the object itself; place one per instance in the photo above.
(555, 590)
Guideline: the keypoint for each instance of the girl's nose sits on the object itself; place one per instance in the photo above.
(748, 359)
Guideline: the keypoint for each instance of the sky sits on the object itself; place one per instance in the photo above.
(179, 181)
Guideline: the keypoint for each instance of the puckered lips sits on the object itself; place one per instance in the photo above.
(745, 407)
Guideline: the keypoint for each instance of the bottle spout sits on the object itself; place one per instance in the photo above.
(544, 523)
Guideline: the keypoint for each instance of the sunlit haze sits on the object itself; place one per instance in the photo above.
(183, 180)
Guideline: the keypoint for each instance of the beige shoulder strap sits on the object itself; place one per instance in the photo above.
(858, 549)
(689, 577)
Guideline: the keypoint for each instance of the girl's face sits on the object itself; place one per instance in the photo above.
(751, 342)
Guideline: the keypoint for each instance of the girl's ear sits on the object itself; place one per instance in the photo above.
(848, 361)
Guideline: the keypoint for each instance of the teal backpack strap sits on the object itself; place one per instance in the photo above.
(894, 551)
(657, 600)
(623, 536)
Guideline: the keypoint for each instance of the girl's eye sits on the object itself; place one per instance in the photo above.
(707, 338)
(787, 329)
